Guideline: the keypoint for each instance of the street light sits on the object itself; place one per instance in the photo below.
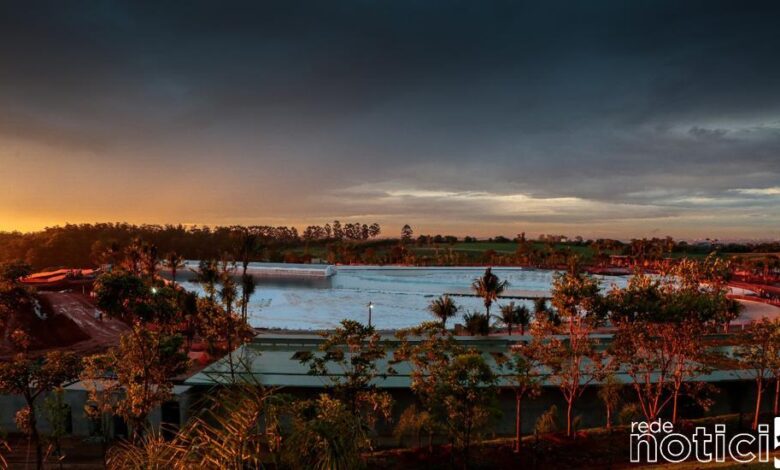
(370, 308)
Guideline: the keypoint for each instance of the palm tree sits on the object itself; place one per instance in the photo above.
(443, 308)
(174, 262)
(208, 276)
(512, 314)
(248, 287)
(489, 287)
(476, 324)
(543, 312)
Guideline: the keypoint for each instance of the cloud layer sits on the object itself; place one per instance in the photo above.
(601, 118)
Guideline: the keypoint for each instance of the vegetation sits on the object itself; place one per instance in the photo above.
(662, 344)
(454, 384)
(515, 315)
(489, 287)
(95, 244)
(524, 370)
(443, 308)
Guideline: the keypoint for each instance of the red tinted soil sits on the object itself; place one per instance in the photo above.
(70, 324)
(81, 312)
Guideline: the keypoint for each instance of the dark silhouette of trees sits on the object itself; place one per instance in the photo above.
(515, 315)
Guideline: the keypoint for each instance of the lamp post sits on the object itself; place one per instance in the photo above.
(370, 308)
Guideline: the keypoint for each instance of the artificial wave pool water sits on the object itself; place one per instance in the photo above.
(400, 295)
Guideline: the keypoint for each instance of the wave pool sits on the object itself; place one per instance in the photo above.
(400, 295)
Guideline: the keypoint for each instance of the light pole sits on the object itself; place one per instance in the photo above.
(370, 308)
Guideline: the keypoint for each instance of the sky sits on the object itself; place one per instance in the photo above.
(617, 119)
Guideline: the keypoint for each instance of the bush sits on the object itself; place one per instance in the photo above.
(548, 421)
(630, 412)
(477, 324)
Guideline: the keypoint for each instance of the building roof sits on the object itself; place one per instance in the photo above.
(268, 360)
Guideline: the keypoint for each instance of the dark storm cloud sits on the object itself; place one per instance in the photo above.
(631, 109)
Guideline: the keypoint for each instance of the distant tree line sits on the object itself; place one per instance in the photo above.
(81, 245)
(78, 245)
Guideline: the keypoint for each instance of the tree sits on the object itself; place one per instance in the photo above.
(406, 234)
(31, 377)
(208, 276)
(757, 353)
(545, 316)
(609, 394)
(573, 360)
(248, 244)
(354, 349)
(16, 299)
(143, 364)
(454, 384)
(522, 368)
(443, 308)
(57, 414)
(133, 299)
(489, 287)
(476, 324)
(221, 328)
(512, 314)
(174, 262)
(662, 324)
(248, 287)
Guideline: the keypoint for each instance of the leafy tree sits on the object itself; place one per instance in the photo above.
(661, 326)
(455, 384)
(16, 299)
(102, 397)
(489, 287)
(443, 308)
(222, 330)
(757, 352)
(57, 414)
(406, 234)
(31, 377)
(545, 316)
(522, 368)
(15, 270)
(208, 276)
(354, 350)
(174, 262)
(609, 394)
(573, 360)
(133, 299)
(143, 364)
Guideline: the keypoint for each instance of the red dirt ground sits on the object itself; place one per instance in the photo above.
(70, 324)
(82, 312)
